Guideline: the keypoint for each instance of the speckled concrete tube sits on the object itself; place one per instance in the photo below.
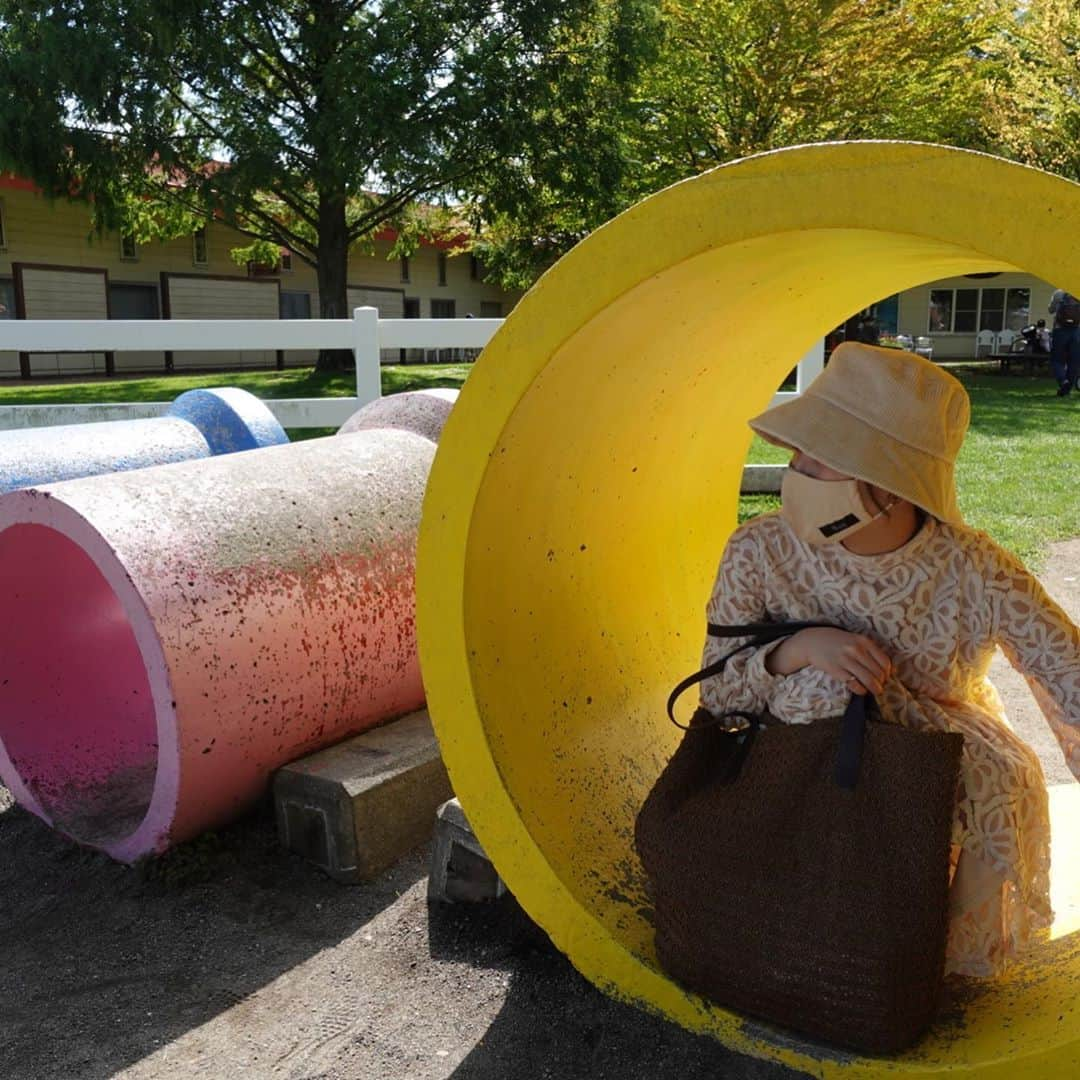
(422, 411)
(199, 423)
(173, 634)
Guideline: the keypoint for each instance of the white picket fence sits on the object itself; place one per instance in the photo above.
(365, 334)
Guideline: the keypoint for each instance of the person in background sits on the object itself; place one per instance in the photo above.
(1037, 338)
(1065, 341)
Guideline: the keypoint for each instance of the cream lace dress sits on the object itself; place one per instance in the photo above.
(938, 606)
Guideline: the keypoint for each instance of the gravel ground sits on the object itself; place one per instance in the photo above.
(231, 958)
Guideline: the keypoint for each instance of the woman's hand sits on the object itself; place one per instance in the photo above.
(853, 659)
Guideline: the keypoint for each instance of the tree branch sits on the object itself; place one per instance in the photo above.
(281, 73)
(298, 207)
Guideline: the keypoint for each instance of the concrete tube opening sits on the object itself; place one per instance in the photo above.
(175, 634)
(583, 491)
(77, 720)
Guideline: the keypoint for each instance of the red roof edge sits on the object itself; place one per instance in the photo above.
(443, 243)
(17, 183)
(11, 182)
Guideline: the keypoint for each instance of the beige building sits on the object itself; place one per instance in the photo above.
(53, 267)
(960, 315)
(953, 311)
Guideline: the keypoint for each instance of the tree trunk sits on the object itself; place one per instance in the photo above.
(333, 274)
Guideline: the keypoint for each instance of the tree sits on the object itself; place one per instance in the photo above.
(535, 205)
(734, 77)
(1037, 112)
(312, 124)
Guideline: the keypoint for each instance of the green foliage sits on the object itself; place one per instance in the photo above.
(1037, 110)
(729, 78)
(735, 78)
(574, 172)
(311, 124)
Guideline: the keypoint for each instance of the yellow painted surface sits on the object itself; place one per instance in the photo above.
(582, 494)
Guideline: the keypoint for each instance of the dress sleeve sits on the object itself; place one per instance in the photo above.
(1043, 644)
(738, 596)
(745, 685)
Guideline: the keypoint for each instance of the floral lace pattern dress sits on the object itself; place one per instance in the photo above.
(938, 605)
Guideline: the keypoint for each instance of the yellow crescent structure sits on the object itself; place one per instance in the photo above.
(583, 490)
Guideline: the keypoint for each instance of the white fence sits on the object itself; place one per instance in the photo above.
(365, 334)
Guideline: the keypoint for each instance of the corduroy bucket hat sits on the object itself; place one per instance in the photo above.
(885, 416)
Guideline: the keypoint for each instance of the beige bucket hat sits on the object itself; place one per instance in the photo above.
(885, 416)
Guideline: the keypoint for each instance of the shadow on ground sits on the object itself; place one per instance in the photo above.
(553, 1023)
(101, 964)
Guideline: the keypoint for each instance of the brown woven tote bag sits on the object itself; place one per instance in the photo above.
(799, 873)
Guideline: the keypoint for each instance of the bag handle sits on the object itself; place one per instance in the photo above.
(852, 727)
(759, 634)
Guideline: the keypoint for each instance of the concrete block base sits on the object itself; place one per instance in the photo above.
(460, 870)
(355, 808)
(762, 479)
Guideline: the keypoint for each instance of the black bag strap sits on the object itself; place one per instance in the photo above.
(759, 634)
(852, 727)
(852, 734)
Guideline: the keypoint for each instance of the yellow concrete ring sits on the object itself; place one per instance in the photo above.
(582, 493)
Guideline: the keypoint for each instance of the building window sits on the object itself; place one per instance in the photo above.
(7, 298)
(442, 267)
(962, 311)
(1017, 309)
(490, 309)
(286, 261)
(127, 301)
(129, 250)
(941, 305)
(198, 247)
(294, 305)
(992, 316)
(406, 270)
(966, 311)
(3, 231)
(443, 309)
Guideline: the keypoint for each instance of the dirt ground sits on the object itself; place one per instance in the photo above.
(230, 958)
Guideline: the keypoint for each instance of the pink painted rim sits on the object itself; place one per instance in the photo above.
(41, 507)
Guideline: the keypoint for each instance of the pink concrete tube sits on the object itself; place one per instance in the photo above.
(173, 635)
(422, 411)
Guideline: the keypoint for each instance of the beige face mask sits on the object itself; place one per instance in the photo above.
(823, 511)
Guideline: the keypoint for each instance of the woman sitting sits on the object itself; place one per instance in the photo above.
(870, 539)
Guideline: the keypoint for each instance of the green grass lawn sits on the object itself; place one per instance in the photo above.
(1017, 473)
(293, 383)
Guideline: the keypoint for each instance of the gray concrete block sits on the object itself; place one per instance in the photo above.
(460, 870)
(355, 808)
(762, 479)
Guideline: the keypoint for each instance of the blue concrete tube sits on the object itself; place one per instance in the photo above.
(198, 424)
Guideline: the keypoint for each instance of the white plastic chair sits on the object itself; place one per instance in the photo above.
(985, 339)
(924, 346)
(1004, 340)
